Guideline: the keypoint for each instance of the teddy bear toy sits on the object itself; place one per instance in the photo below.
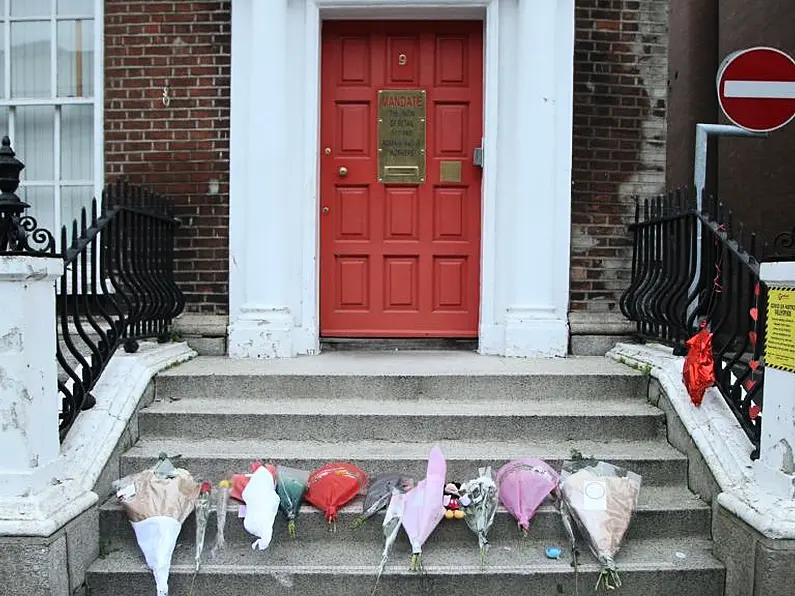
(453, 501)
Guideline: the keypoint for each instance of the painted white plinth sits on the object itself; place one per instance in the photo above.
(775, 468)
(274, 181)
(28, 377)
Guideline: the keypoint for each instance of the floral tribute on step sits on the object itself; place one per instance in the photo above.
(595, 500)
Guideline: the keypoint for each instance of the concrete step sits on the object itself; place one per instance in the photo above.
(212, 459)
(647, 567)
(663, 512)
(415, 420)
(377, 376)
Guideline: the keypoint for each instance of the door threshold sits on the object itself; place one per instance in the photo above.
(361, 344)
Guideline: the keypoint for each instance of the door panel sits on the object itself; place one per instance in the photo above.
(400, 260)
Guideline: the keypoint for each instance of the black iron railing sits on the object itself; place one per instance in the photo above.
(118, 287)
(118, 283)
(692, 267)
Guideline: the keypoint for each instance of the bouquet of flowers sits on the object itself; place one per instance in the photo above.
(379, 495)
(599, 499)
(202, 515)
(240, 481)
(424, 507)
(157, 502)
(391, 525)
(523, 485)
(291, 486)
(262, 504)
(220, 517)
(479, 502)
(334, 485)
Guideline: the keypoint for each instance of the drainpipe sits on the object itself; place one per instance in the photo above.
(703, 133)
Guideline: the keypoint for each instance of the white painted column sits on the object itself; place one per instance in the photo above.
(775, 468)
(261, 321)
(536, 314)
(28, 377)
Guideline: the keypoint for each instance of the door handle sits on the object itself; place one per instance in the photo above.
(343, 171)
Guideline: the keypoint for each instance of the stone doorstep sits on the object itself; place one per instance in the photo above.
(314, 569)
(658, 462)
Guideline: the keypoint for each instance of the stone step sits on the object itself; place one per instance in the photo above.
(663, 512)
(377, 376)
(211, 459)
(415, 420)
(647, 567)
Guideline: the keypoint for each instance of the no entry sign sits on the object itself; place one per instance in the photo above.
(756, 89)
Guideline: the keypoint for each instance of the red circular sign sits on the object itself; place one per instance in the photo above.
(756, 89)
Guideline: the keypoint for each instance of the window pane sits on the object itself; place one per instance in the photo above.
(35, 131)
(76, 58)
(2, 61)
(4, 126)
(31, 8)
(76, 7)
(42, 206)
(30, 59)
(77, 142)
(73, 199)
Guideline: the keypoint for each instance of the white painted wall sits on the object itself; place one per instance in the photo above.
(774, 468)
(28, 399)
(274, 158)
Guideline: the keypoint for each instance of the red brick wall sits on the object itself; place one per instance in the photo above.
(620, 75)
(181, 150)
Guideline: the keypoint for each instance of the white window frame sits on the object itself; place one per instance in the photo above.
(97, 101)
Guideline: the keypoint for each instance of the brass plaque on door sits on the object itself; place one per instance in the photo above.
(450, 171)
(401, 136)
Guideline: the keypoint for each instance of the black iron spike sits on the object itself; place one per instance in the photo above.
(83, 222)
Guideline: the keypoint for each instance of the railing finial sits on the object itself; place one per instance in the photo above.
(17, 231)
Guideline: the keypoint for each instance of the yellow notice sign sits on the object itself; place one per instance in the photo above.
(780, 332)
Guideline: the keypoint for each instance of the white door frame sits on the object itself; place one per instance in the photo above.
(274, 243)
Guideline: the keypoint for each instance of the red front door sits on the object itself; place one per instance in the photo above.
(400, 231)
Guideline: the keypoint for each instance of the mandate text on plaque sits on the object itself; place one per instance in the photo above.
(401, 136)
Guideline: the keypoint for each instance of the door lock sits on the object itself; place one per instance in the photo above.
(325, 209)
(477, 155)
